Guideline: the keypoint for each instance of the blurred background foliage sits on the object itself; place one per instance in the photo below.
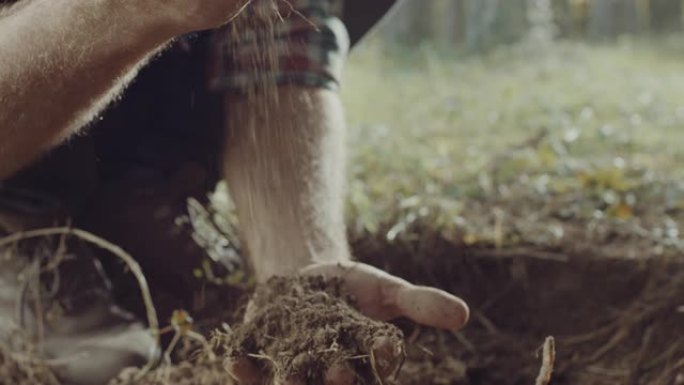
(479, 25)
(554, 124)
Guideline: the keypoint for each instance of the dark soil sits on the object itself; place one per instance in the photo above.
(615, 321)
(300, 327)
(304, 326)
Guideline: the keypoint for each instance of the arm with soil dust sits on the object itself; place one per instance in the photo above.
(285, 168)
(284, 163)
(62, 61)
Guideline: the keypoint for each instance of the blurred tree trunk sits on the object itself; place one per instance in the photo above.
(629, 16)
(411, 22)
(481, 15)
(666, 15)
(454, 26)
(643, 14)
(610, 18)
(578, 16)
(542, 23)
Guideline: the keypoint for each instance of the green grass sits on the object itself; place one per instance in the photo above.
(434, 134)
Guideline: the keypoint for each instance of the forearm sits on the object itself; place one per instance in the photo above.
(285, 169)
(60, 62)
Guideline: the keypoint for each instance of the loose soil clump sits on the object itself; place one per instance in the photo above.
(303, 326)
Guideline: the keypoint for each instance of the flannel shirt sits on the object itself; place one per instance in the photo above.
(310, 44)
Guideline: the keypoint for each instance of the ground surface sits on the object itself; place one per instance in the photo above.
(615, 321)
(520, 147)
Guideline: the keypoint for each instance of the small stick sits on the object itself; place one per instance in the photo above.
(301, 15)
(240, 10)
(205, 344)
(374, 368)
(548, 359)
(620, 335)
(172, 345)
(464, 341)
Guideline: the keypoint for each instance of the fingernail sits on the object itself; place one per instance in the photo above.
(433, 307)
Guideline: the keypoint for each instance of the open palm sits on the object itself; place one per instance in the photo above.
(378, 295)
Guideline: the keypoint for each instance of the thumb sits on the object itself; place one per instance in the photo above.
(432, 307)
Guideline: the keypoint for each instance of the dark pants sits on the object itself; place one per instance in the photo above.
(165, 120)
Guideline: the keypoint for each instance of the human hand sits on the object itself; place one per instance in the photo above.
(378, 295)
(382, 296)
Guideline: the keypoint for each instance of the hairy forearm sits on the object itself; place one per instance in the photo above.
(9, 9)
(61, 61)
(285, 169)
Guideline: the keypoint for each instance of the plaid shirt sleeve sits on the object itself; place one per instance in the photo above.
(308, 40)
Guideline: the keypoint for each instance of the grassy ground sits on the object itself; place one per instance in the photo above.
(519, 146)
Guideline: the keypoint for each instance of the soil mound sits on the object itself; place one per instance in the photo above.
(295, 328)
(303, 326)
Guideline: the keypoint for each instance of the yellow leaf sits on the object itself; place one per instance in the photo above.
(547, 156)
(609, 179)
(621, 211)
(181, 321)
(470, 239)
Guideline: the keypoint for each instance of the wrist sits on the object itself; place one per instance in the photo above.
(287, 263)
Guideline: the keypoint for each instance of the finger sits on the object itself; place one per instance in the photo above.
(243, 371)
(340, 374)
(387, 356)
(432, 307)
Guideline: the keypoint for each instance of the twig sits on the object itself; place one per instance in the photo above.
(641, 356)
(38, 306)
(586, 337)
(172, 345)
(489, 325)
(620, 335)
(301, 15)
(414, 335)
(205, 344)
(669, 373)
(548, 359)
(464, 341)
(240, 10)
(374, 368)
(134, 267)
(59, 255)
(276, 368)
(666, 355)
